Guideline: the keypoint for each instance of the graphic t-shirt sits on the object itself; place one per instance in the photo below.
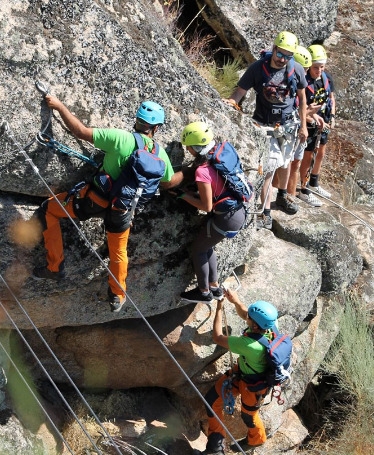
(273, 100)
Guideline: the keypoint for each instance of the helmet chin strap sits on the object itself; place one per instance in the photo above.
(204, 149)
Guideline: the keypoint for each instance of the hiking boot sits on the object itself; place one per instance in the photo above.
(115, 301)
(196, 296)
(43, 273)
(310, 199)
(243, 443)
(287, 203)
(320, 191)
(264, 221)
(217, 293)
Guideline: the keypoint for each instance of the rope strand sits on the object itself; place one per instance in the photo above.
(92, 249)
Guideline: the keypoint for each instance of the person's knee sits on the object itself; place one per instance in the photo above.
(40, 214)
(248, 420)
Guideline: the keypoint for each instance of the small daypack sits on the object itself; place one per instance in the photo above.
(278, 356)
(139, 179)
(225, 159)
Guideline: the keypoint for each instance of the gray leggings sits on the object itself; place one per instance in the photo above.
(204, 258)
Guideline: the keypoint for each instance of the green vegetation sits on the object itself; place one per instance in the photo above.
(349, 421)
(197, 46)
(225, 79)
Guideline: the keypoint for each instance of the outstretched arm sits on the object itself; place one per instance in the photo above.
(218, 336)
(241, 309)
(71, 121)
(176, 180)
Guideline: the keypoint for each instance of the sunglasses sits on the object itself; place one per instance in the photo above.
(281, 55)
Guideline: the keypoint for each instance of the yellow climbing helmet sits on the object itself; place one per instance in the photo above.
(287, 41)
(318, 53)
(302, 56)
(196, 133)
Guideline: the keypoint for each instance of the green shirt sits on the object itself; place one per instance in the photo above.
(118, 145)
(251, 353)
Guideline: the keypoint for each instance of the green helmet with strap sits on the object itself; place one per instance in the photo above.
(318, 53)
(287, 41)
(302, 56)
(196, 133)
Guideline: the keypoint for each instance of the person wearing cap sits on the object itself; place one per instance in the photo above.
(260, 317)
(225, 215)
(91, 202)
(320, 90)
(277, 79)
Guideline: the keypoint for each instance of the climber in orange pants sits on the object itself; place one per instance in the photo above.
(246, 377)
(94, 200)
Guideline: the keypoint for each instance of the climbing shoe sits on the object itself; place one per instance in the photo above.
(320, 191)
(115, 301)
(264, 221)
(287, 203)
(43, 273)
(310, 199)
(196, 296)
(217, 293)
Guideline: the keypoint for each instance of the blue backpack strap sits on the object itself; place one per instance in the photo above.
(140, 144)
(139, 141)
(262, 339)
(258, 337)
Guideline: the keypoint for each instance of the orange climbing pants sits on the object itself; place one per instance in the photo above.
(250, 407)
(85, 204)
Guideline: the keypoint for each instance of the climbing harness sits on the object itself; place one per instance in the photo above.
(226, 390)
(55, 146)
(73, 191)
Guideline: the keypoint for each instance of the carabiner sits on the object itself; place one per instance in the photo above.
(40, 87)
(276, 393)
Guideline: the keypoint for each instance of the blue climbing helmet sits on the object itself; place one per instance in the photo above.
(151, 113)
(263, 313)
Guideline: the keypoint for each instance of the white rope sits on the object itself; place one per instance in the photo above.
(36, 398)
(342, 208)
(55, 358)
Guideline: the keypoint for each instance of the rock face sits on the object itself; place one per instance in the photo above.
(102, 59)
(241, 25)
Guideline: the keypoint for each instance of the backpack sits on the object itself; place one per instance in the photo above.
(138, 181)
(278, 357)
(225, 159)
